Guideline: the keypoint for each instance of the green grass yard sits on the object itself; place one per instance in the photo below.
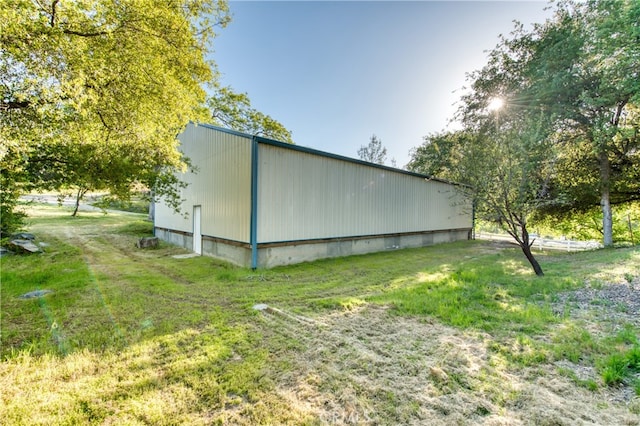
(457, 333)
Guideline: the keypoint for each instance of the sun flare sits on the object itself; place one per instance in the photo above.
(495, 104)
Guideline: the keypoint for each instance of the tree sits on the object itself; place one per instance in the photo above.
(82, 167)
(11, 185)
(233, 110)
(580, 70)
(95, 93)
(441, 155)
(568, 126)
(577, 169)
(501, 169)
(604, 71)
(374, 152)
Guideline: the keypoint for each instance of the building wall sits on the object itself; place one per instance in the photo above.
(221, 185)
(310, 205)
(303, 196)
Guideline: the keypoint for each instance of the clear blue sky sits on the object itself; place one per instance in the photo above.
(335, 73)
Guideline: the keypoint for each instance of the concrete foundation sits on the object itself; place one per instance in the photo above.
(276, 254)
(181, 239)
(304, 251)
(236, 253)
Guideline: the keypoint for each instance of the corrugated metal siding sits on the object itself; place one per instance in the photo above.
(305, 196)
(222, 185)
(165, 217)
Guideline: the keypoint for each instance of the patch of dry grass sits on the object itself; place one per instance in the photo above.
(191, 377)
(368, 366)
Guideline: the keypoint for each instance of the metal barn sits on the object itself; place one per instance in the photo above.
(260, 203)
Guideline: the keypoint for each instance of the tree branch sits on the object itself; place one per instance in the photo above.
(52, 22)
(5, 106)
(83, 34)
(615, 120)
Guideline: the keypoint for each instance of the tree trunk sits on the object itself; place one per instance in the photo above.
(526, 249)
(605, 202)
(607, 219)
(79, 196)
(518, 230)
(75, 210)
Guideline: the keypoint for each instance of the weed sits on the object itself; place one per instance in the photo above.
(590, 384)
(352, 303)
(597, 285)
(628, 335)
(633, 358)
(574, 343)
(621, 307)
(226, 275)
(623, 362)
(614, 369)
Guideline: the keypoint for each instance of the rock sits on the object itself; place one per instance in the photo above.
(34, 294)
(23, 246)
(147, 242)
(23, 236)
(4, 251)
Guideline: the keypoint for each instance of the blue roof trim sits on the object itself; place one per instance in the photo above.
(312, 151)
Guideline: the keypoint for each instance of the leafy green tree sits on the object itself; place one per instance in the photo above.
(90, 91)
(12, 177)
(93, 94)
(603, 73)
(587, 225)
(441, 155)
(577, 169)
(82, 167)
(501, 170)
(580, 70)
(233, 110)
(374, 152)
